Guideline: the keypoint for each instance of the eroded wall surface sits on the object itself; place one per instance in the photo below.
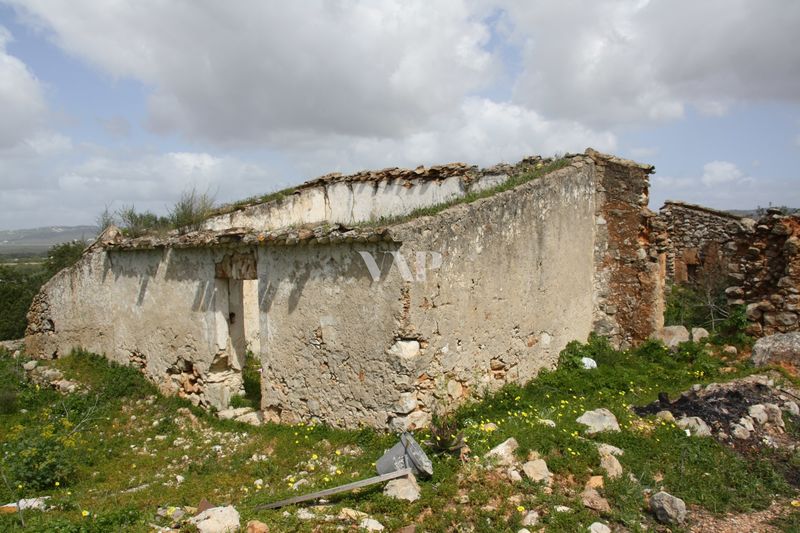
(368, 196)
(503, 284)
(164, 311)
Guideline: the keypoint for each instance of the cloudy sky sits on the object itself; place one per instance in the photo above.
(108, 103)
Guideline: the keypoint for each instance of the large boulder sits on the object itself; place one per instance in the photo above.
(781, 347)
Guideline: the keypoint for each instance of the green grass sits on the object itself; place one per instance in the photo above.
(130, 436)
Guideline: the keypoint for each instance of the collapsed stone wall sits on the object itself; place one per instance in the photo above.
(698, 235)
(769, 266)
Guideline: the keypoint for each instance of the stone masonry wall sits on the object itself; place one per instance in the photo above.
(696, 233)
(628, 287)
(769, 264)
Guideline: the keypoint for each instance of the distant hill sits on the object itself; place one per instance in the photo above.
(36, 241)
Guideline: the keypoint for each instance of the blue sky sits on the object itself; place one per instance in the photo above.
(134, 103)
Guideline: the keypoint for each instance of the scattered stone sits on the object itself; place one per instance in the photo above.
(531, 518)
(738, 431)
(667, 508)
(256, 418)
(730, 350)
(179, 479)
(524, 530)
(408, 529)
(611, 465)
(562, 509)
(537, 470)
(547, 422)
(230, 414)
(503, 453)
(666, 416)
(305, 514)
(781, 347)
(351, 514)
(588, 363)
(591, 499)
(30, 365)
(370, 524)
(599, 420)
(404, 488)
(514, 475)
(38, 504)
(792, 408)
(254, 526)
(696, 426)
(599, 527)
(217, 520)
(672, 336)
(699, 334)
(596, 482)
(608, 449)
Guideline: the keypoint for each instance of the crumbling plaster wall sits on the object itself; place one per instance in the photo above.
(514, 286)
(351, 200)
(161, 310)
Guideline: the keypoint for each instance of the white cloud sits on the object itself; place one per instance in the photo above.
(718, 173)
(22, 105)
(608, 63)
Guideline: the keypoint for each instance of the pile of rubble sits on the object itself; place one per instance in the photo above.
(746, 413)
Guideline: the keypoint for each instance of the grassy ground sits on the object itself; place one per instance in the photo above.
(109, 457)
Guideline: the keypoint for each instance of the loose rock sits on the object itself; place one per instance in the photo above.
(537, 470)
(696, 426)
(531, 518)
(671, 336)
(254, 526)
(503, 453)
(667, 508)
(592, 500)
(599, 527)
(611, 465)
(370, 524)
(217, 520)
(405, 488)
(599, 420)
(781, 347)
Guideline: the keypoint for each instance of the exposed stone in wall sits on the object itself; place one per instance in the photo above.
(628, 292)
(698, 234)
(768, 266)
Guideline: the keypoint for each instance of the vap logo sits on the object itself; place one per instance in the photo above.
(421, 264)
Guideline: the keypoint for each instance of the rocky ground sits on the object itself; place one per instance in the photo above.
(689, 439)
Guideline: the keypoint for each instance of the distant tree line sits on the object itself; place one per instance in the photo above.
(20, 283)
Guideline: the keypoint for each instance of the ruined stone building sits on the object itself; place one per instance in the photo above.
(374, 298)
(759, 260)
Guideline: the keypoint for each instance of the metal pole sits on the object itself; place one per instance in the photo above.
(335, 490)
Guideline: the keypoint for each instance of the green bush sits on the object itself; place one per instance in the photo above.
(62, 256)
(191, 210)
(17, 289)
